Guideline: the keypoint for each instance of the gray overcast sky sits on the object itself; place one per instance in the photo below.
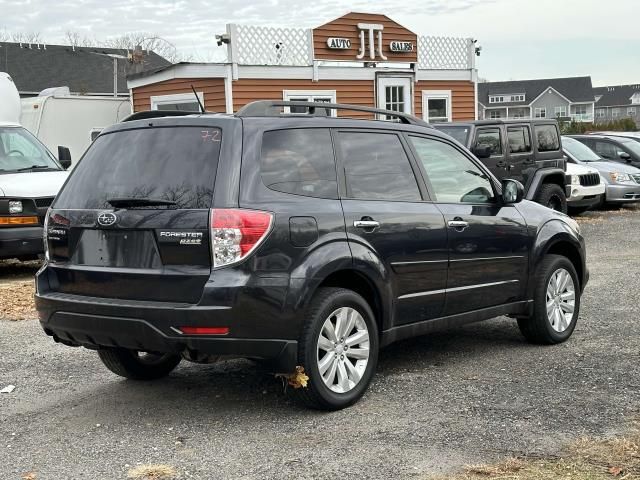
(521, 39)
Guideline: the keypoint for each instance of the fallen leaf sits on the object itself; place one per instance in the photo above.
(297, 379)
(152, 472)
(29, 476)
(615, 471)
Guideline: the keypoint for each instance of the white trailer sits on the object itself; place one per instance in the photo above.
(58, 118)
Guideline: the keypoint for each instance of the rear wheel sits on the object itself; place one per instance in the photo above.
(138, 365)
(338, 349)
(552, 196)
(556, 302)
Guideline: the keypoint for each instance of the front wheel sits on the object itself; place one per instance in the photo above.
(138, 365)
(338, 349)
(556, 302)
(552, 196)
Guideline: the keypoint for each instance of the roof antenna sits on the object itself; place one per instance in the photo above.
(198, 99)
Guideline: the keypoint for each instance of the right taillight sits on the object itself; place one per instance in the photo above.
(236, 232)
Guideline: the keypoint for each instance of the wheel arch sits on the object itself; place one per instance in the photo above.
(544, 176)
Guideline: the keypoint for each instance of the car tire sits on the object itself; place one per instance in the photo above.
(552, 196)
(138, 365)
(549, 323)
(338, 377)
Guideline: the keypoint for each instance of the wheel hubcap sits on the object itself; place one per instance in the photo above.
(561, 300)
(343, 349)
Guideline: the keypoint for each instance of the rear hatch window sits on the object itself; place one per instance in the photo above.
(176, 164)
(132, 222)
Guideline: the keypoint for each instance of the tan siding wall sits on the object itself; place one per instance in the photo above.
(356, 92)
(347, 27)
(212, 88)
(462, 97)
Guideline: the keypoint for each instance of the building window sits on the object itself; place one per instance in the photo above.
(183, 102)
(493, 114)
(540, 112)
(496, 99)
(436, 105)
(325, 96)
(581, 109)
(561, 111)
(601, 112)
(615, 112)
(631, 111)
(516, 97)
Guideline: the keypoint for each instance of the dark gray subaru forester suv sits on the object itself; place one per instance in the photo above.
(301, 239)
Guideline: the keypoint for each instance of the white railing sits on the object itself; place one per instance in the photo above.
(253, 45)
(582, 117)
(445, 53)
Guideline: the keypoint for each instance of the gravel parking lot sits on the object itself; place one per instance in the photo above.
(468, 395)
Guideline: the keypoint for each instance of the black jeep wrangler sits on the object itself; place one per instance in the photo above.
(529, 151)
(301, 239)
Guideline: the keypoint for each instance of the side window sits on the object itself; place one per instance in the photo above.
(376, 167)
(491, 137)
(519, 139)
(299, 161)
(605, 150)
(547, 138)
(453, 177)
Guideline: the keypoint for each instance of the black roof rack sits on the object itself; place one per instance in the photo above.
(270, 108)
(158, 113)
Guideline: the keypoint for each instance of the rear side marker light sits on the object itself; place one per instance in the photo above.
(9, 221)
(204, 330)
(236, 232)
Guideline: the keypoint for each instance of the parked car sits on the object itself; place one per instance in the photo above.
(613, 148)
(632, 135)
(30, 176)
(584, 188)
(529, 151)
(622, 181)
(304, 240)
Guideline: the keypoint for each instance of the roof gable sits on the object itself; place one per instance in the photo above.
(616, 95)
(87, 70)
(574, 89)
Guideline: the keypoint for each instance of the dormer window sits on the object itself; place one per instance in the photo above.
(635, 98)
(510, 98)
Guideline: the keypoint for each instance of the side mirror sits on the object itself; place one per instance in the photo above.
(625, 156)
(482, 151)
(64, 157)
(512, 191)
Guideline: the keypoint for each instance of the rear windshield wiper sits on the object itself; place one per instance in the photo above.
(124, 202)
(31, 167)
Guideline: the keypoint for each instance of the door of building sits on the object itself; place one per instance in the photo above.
(395, 93)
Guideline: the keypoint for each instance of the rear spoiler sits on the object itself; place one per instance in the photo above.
(157, 113)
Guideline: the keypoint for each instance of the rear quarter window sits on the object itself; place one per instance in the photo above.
(170, 163)
(300, 162)
(547, 138)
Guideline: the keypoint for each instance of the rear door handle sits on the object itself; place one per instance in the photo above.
(366, 224)
(458, 224)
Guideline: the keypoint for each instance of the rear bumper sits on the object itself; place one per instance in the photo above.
(623, 193)
(95, 322)
(20, 241)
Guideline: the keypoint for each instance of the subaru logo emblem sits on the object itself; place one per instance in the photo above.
(106, 219)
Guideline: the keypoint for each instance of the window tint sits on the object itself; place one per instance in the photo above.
(453, 177)
(170, 163)
(299, 161)
(492, 138)
(519, 139)
(376, 167)
(605, 150)
(20, 149)
(547, 137)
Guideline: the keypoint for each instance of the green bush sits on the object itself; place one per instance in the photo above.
(622, 125)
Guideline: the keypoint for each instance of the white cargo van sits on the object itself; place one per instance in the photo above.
(58, 118)
(30, 177)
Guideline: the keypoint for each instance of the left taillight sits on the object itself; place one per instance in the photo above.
(236, 232)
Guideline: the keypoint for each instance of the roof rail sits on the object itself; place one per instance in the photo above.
(157, 113)
(270, 108)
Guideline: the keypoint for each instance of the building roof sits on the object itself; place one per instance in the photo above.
(575, 89)
(86, 70)
(615, 95)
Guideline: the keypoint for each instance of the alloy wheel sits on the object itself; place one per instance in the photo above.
(343, 349)
(561, 300)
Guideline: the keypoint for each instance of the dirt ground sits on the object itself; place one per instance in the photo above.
(472, 396)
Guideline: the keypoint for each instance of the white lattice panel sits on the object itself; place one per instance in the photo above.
(443, 53)
(272, 46)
